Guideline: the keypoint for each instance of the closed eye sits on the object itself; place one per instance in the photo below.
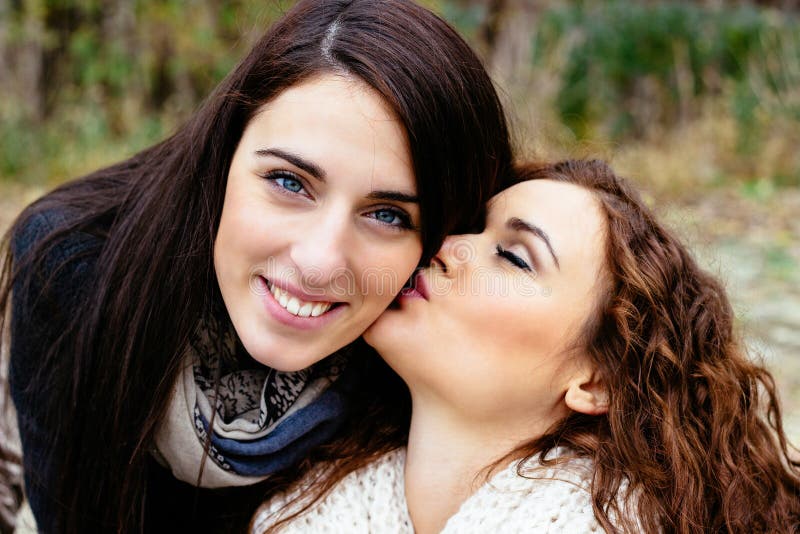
(513, 258)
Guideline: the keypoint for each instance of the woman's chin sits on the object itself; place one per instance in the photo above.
(382, 333)
(398, 325)
(372, 337)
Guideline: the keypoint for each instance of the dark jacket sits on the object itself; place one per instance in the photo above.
(37, 318)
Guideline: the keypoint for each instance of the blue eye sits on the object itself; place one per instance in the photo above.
(513, 258)
(391, 217)
(286, 182)
(387, 216)
(290, 184)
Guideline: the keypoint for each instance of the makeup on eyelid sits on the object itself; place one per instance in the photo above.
(485, 318)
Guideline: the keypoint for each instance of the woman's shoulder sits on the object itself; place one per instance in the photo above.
(37, 223)
(369, 499)
(53, 267)
(528, 496)
(54, 256)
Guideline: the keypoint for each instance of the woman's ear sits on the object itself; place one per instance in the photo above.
(587, 393)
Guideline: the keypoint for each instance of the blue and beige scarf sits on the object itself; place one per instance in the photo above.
(238, 421)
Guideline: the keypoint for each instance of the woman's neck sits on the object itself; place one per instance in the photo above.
(447, 459)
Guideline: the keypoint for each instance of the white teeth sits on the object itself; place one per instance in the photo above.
(298, 307)
(294, 306)
(320, 308)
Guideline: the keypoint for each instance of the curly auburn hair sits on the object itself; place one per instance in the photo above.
(693, 425)
(693, 439)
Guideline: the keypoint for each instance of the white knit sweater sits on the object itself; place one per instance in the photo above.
(372, 500)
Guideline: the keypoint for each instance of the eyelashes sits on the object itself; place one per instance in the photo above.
(286, 182)
(513, 259)
(290, 184)
(397, 218)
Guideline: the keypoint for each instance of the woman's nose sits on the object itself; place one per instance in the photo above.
(456, 251)
(321, 253)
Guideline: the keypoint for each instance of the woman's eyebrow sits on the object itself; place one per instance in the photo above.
(517, 224)
(295, 159)
(316, 171)
(397, 196)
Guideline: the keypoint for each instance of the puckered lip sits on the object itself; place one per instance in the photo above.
(295, 291)
(417, 288)
(421, 285)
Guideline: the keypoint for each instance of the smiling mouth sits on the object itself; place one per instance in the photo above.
(296, 306)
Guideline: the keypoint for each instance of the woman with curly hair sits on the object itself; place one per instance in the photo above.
(569, 369)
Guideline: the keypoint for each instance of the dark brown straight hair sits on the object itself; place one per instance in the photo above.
(103, 383)
(693, 439)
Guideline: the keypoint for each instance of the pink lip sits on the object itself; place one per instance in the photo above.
(421, 284)
(282, 315)
(418, 289)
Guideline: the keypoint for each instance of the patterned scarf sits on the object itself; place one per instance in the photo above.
(260, 420)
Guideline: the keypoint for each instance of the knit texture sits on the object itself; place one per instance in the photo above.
(552, 499)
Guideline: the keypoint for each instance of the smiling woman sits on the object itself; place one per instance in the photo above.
(178, 319)
(312, 205)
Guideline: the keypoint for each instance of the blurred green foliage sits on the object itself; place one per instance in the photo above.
(628, 68)
(83, 83)
(86, 82)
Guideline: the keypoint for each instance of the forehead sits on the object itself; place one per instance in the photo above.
(341, 125)
(348, 93)
(568, 213)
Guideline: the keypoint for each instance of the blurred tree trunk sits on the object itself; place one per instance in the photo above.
(505, 38)
(511, 58)
(30, 59)
(784, 5)
(5, 69)
(119, 24)
(59, 21)
(118, 35)
(161, 83)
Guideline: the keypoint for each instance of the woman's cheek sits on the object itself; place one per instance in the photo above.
(384, 281)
